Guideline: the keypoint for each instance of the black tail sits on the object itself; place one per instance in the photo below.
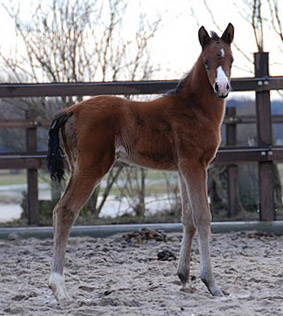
(55, 159)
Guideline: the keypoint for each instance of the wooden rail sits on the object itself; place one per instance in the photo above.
(225, 155)
(264, 153)
(11, 90)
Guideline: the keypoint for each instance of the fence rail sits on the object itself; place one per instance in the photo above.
(264, 153)
(11, 90)
(236, 155)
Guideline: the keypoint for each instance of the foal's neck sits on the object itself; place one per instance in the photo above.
(198, 90)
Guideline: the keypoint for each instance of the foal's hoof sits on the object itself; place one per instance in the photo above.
(56, 283)
(187, 288)
(183, 274)
(215, 291)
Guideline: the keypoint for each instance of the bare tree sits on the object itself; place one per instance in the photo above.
(253, 14)
(263, 16)
(73, 41)
(238, 48)
(276, 18)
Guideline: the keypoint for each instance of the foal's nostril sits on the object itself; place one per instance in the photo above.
(216, 87)
(227, 87)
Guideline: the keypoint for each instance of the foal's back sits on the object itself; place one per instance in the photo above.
(154, 134)
(140, 133)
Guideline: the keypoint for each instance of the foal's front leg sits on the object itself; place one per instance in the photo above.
(196, 182)
(188, 234)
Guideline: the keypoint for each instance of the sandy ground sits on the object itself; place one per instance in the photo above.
(121, 275)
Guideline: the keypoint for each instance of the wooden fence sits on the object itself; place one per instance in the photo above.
(264, 154)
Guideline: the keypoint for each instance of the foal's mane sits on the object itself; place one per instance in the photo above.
(214, 36)
(180, 85)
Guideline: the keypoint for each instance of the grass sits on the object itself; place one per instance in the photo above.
(19, 177)
(280, 169)
(152, 189)
(7, 178)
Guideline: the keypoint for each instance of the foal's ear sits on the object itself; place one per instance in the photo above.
(204, 37)
(228, 34)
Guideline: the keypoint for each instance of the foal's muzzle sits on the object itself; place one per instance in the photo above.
(222, 90)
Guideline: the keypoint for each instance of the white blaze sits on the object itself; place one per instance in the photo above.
(222, 81)
(222, 52)
(221, 76)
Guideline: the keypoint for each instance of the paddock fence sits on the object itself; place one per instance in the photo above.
(264, 154)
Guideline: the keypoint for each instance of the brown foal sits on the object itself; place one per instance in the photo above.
(179, 131)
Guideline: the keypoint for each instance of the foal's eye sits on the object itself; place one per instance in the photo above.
(206, 64)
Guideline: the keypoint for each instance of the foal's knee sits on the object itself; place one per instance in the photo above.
(203, 222)
(188, 224)
(189, 229)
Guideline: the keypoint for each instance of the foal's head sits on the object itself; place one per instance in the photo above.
(217, 59)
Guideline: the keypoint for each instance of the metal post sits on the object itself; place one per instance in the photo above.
(32, 174)
(264, 139)
(233, 190)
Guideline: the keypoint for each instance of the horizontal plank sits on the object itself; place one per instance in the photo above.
(22, 163)
(13, 90)
(276, 155)
(224, 156)
(250, 119)
(21, 160)
(24, 123)
(257, 84)
(17, 124)
(86, 88)
(241, 155)
(239, 119)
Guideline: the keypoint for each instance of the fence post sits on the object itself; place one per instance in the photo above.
(264, 139)
(233, 184)
(32, 174)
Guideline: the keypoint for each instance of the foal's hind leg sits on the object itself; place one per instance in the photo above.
(188, 234)
(81, 184)
(196, 181)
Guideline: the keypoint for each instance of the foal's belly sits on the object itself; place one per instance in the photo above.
(147, 157)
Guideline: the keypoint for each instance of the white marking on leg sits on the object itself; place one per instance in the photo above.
(205, 263)
(57, 284)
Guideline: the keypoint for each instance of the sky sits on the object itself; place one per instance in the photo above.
(178, 42)
(176, 47)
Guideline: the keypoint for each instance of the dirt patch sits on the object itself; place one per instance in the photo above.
(121, 275)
